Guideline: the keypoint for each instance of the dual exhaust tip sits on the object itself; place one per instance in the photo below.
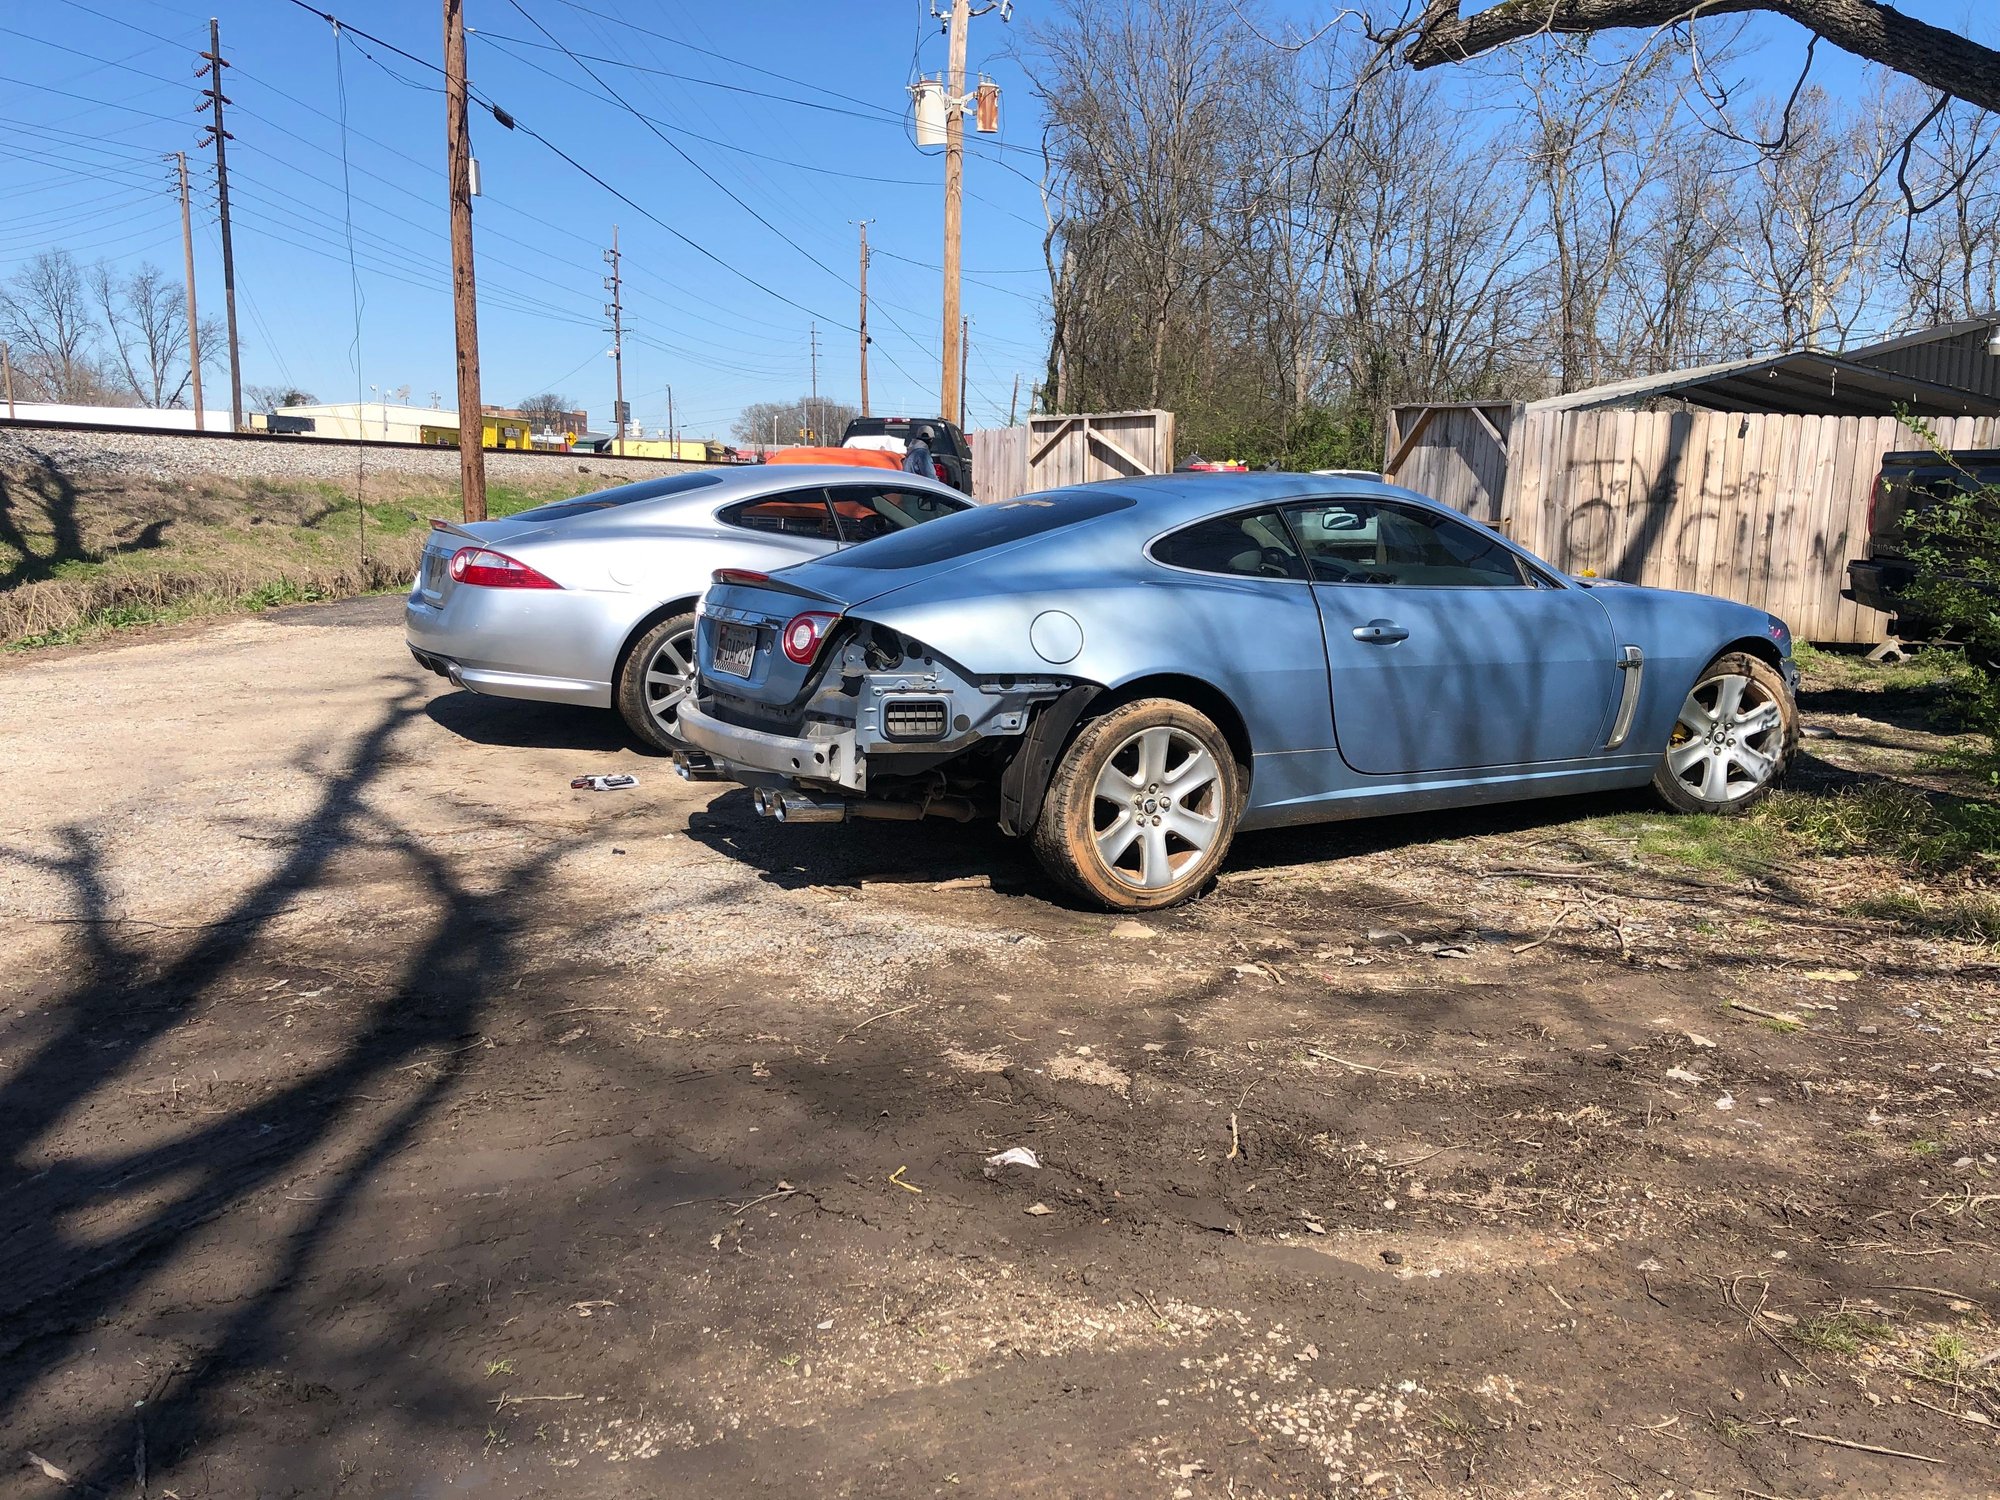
(798, 807)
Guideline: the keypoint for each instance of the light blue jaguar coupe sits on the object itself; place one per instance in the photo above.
(1128, 672)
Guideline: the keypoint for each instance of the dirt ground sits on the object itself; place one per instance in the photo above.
(380, 1117)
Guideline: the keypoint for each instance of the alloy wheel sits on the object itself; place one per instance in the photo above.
(1156, 807)
(669, 678)
(1729, 739)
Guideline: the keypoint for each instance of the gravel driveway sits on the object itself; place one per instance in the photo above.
(382, 1117)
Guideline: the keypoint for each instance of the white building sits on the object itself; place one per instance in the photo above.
(175, 418)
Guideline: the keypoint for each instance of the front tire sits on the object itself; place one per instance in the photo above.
(655, 679)
(1142, 807)
(1733, 740)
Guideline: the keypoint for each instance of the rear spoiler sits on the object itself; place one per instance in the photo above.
(771, 583)
(454, 529)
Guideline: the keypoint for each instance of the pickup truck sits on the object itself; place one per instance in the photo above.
(1906, 483)
(951, 454)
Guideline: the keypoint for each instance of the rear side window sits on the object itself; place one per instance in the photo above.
(1253, 545)
(624, 494)
(1370, 542)
(865, 512)
(980, 527)
(794, 513)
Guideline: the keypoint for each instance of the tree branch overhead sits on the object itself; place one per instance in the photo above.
(1951, 63)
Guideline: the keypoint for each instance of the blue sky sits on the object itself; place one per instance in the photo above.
(796, 109)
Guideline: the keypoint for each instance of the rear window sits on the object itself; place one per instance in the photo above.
(624, 494)
(980, 528)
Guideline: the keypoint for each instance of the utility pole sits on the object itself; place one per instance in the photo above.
(219, 137)
(964, 356)
(673, 443)
(187, 254)
(615, 311)
(7, 374)
(464, 291)
(954, 183)
(1014, 400)
(864, 317)
(812, 412)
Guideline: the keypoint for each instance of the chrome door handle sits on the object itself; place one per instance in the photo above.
(1380, 633)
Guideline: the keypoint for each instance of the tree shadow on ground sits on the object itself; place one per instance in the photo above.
(519, 724)
(39, 524)
(88, 1231)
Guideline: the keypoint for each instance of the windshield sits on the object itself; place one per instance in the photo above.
(980, 528)
(624, 494)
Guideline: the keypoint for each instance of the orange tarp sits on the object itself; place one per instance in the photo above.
(867, 458)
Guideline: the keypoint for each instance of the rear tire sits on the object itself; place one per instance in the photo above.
(1733, 740)
(1142, 807)
(656, 677)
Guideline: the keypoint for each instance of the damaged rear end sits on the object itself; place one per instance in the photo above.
(830, 715)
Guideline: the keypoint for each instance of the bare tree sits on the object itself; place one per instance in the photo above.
(1431, 33)
(269, 399)
(809, 419)
(45, 316)
(1950, 258)
(548, 412)
(145, 314)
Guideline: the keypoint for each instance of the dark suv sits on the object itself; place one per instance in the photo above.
(951, 454)
(1907, 482)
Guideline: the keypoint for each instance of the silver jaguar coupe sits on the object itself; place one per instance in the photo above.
(591, 600)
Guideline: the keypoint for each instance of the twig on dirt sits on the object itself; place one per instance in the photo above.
(426, 1062)
(1560, 1302)
(1986, 1422)
(506, 1401)
(1561, 917)
(1417, 1161)
(1154, 1305)
(878, 1016)
(1235, 1143)
(1818, 1437)
(897, 1178)
(1769, 1015)
(785, 1191)
(1935, 1291)
(1325, 1056)
(570, 1010)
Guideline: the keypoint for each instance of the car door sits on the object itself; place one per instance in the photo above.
(1447, 651)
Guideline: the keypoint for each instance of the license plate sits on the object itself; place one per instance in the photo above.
(433, 573)
(735, 648)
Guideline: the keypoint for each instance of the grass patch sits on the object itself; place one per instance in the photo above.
(1931, 833)
(102, 555)
(1698, 841)
(1969, 919)
(1842, 1332)
(1839, 1332)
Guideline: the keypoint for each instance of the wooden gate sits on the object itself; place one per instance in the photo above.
(1074, 448)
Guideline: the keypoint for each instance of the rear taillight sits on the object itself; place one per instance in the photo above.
(804, 634)
(495, 570)
(738, 575)
(1875, 505)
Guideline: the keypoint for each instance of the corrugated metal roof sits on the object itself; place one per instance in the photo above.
(1808, 384)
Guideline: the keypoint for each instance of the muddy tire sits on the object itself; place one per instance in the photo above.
(655, 679)
(1142, 806)
(1733, 740)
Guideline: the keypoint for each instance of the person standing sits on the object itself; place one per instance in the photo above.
(917, 457)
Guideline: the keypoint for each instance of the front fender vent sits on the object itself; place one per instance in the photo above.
(915, 719)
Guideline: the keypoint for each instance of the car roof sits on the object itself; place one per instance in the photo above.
(1169, 499)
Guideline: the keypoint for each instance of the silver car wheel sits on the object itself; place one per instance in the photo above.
(1157, 807)
(669, 676)
(1729, 739)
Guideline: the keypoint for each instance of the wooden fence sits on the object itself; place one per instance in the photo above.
(1069, 449)
(1760, 508)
